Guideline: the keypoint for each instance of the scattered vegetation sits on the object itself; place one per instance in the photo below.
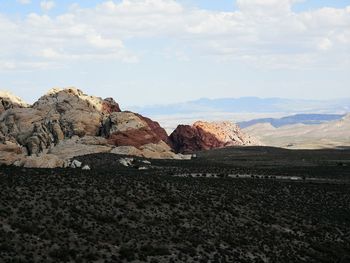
(116, 214)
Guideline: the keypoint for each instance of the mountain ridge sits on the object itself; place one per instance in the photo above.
(248, 104)
(309, 119)
(330, 134)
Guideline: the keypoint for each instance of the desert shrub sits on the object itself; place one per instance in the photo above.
(149, 250)
(5, 247)
(60, 254)
(188, 250)
(127, 253)
(140, 205)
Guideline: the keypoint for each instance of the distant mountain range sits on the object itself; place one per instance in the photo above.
(307, 119)
(249, 105)
(330, 134)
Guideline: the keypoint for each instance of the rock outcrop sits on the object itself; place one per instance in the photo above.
(131, 129)
(9, 101)
(208, 135)
(66, 123)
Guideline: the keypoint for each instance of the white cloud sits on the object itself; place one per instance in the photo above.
(276, 7)
(324, 44)
(263, 33)
(24, 2)
(100, 42)
(47, 5)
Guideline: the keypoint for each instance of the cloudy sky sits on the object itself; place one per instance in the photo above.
(162, 51)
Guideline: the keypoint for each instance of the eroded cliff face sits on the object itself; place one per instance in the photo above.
(66, 122)
(208, 135)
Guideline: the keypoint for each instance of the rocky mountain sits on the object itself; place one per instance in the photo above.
(66, 122)
(208, 135)
(298, 136)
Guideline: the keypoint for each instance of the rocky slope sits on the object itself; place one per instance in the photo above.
(326, 135)
(66, 122)
(208, 135)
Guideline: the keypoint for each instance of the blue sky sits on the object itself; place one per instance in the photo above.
(162, 51)
(15, 7)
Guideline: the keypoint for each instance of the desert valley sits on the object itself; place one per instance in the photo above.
(84, 181)
(174, 131)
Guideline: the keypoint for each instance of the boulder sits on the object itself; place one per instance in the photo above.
(86, 168)
(75, 164)
(208, 135)
(127, 162)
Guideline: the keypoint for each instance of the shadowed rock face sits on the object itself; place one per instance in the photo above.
(204, 136)
(66, 122)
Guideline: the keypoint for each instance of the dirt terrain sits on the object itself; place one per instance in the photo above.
(253, 204)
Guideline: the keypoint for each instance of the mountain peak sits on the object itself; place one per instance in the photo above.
(76, 97)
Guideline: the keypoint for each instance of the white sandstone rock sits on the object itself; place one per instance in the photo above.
(86, 167)
(126, 161)
(75, 164)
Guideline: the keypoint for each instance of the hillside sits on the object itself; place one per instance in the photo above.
(307, 119)
(326, 135)
(224, 206)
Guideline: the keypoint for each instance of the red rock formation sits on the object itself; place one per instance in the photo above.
(136, 138)
(204, 136)
(109, 105)
(155, 128)
(132, 129)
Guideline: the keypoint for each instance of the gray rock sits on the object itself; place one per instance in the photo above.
(126, 161)
(75, 164)
(86, 167)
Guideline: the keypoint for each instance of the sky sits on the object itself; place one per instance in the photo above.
(143, 52)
